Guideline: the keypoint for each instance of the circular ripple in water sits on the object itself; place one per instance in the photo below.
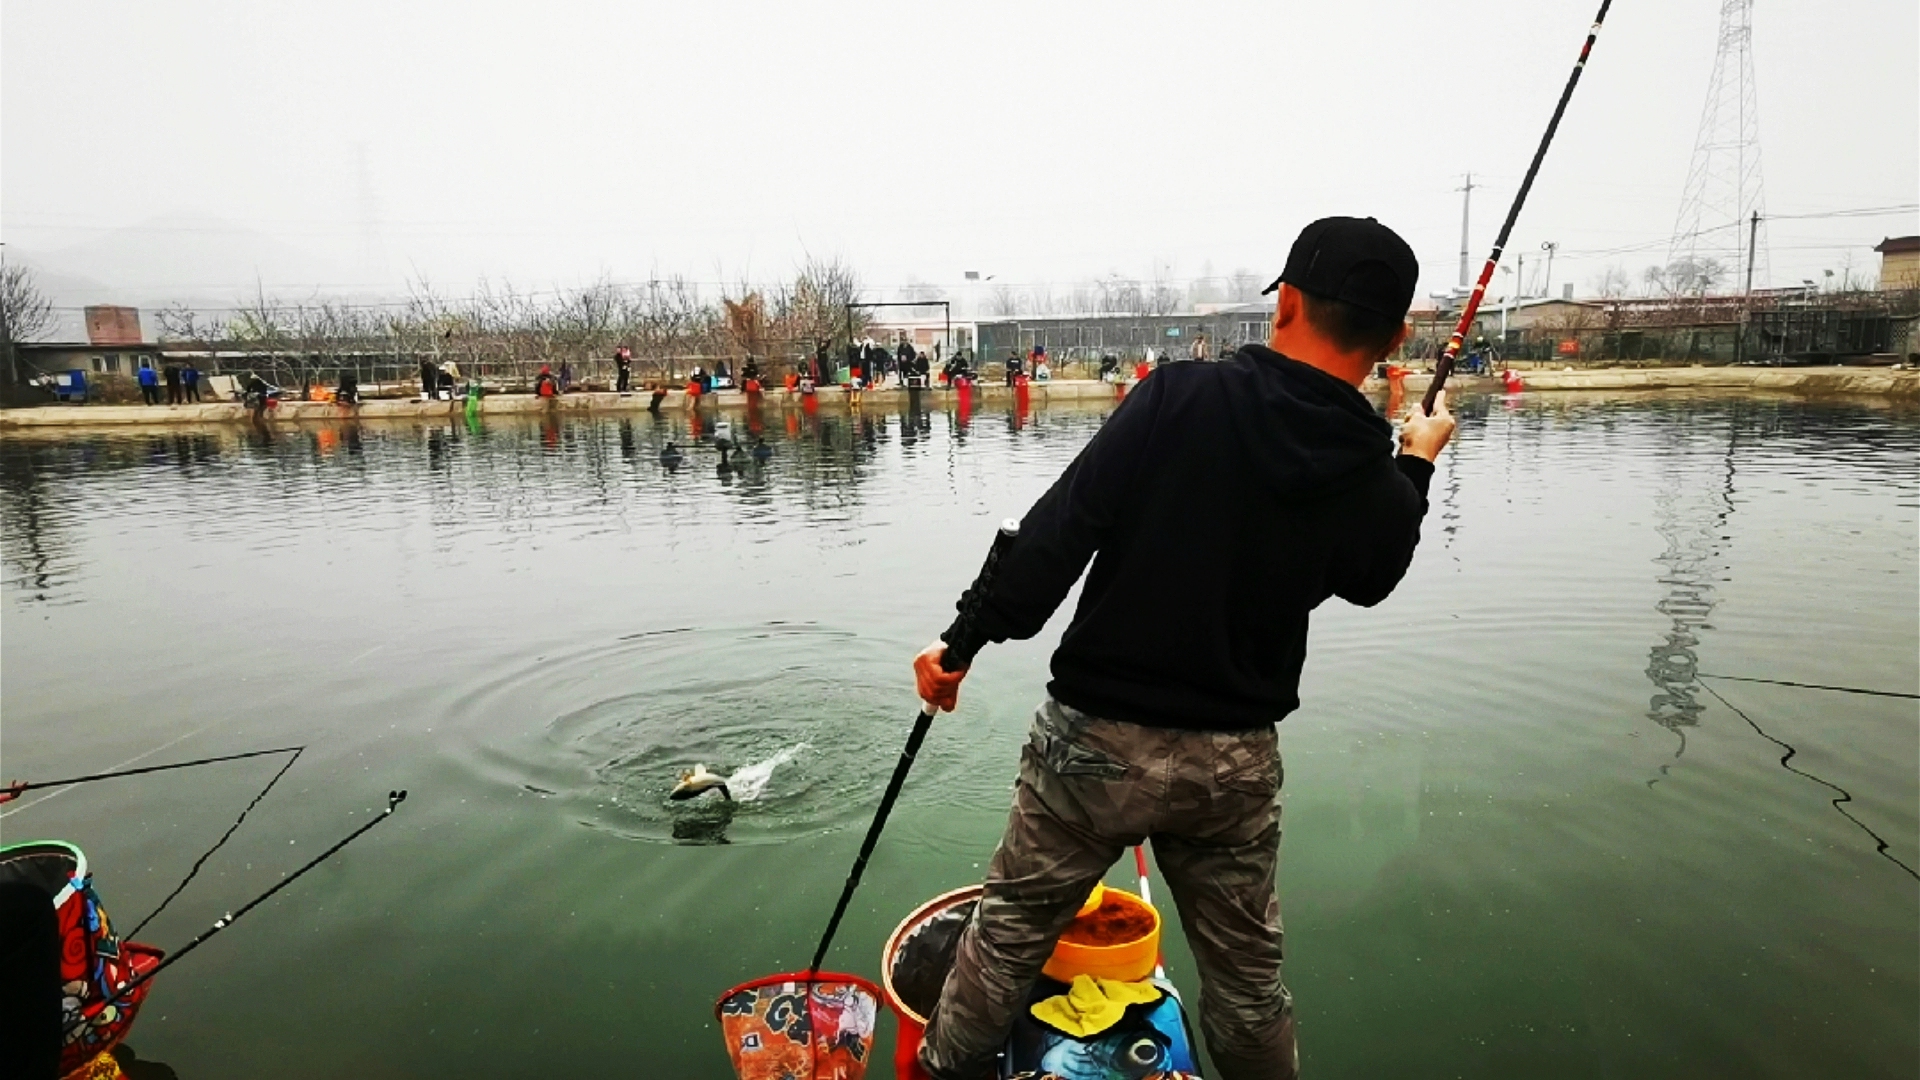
(807, 720)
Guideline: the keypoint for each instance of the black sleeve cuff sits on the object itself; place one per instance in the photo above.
(1417, 469)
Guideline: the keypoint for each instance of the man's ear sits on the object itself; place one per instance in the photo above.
(1287, 307)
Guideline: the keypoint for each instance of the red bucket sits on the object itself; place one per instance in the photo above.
(914, 966)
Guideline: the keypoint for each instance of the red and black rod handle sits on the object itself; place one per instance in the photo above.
(1444, 367)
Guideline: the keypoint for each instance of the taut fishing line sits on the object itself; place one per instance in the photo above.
(1880, 844)
(218, 844)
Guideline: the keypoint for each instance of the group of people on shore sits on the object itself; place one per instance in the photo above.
(182, 383)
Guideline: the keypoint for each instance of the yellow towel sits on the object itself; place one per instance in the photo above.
(1092, 1005)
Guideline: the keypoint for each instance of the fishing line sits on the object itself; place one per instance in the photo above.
(231, 829)
(1845, 795)
(394, 799)
(1813, 686)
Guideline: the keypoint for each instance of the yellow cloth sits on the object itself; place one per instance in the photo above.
(1092, 1005)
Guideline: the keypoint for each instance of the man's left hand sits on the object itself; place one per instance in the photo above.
(937, 687)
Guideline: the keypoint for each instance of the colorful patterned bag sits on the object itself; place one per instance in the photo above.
(784, 1027)
(93, 961)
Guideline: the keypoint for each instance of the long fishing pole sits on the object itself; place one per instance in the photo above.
(394, 799)
(14, 790)
(1444, 367)
(959, 652)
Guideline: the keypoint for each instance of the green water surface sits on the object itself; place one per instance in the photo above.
(1524, 835)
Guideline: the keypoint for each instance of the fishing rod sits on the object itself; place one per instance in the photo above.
(961, 645)
(394, 799)
(14, 790)
(1444, 367)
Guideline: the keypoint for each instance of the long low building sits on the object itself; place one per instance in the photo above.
(1128, 337)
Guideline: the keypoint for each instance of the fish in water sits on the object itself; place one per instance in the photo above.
(743, 786)
(698, 781)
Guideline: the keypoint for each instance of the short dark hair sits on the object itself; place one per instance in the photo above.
(1352, 329)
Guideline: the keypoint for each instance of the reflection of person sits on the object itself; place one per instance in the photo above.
(1274, 461)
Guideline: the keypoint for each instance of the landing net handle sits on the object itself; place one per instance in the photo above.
(963, 642)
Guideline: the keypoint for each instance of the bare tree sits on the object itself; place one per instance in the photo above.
(1243, 287)
(1004, 301)
(25, 315)
(1613, 283)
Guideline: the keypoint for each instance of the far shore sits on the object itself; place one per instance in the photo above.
(1854, 381)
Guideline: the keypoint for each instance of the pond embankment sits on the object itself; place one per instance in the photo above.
(1835, 380)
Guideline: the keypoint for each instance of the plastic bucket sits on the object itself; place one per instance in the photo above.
(914, 965)
(1129, 960)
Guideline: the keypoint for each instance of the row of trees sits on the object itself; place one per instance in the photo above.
(504, 332)
(1119, 294)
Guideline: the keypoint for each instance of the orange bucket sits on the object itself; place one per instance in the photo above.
(1118, 940)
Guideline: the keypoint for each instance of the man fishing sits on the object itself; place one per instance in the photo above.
(1167, 685)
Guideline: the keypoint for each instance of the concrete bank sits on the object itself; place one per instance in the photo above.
(833, 397)
(1859, 381)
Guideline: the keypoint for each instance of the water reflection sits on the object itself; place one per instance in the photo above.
(1691, 508)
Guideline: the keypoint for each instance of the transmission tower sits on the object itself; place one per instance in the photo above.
(1709, 250)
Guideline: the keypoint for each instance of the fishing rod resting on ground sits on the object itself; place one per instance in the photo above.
(394, 799)
(1444, 367)
(961, 645)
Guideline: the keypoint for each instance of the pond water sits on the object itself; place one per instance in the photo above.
(1525, 833)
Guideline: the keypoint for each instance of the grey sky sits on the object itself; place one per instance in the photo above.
(194, 145)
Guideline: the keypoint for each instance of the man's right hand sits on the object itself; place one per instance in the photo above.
(1425, 436)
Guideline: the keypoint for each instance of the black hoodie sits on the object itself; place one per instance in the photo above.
(1220, 504)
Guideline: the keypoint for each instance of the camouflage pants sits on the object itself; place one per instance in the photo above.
(1088, 789)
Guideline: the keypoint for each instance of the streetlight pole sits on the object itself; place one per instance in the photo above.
(1549, 246)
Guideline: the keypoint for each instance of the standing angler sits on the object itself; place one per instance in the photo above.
(1167, 684)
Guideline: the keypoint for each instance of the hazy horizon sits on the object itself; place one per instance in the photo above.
(200, 151)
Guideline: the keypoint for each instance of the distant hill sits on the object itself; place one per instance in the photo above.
(198, 260)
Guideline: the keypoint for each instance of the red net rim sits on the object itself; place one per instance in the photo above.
(817, 978)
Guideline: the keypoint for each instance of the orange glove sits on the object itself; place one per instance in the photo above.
(938, 688)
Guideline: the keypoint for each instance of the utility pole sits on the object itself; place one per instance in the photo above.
(1746, 294)
(1466, 209)
(1549, 246)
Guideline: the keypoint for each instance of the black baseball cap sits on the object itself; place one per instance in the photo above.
(1356, 260)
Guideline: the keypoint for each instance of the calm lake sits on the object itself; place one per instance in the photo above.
(1525, 835)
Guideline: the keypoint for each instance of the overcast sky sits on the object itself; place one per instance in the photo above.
(349, 145)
